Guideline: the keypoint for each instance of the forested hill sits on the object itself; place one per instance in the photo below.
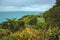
(52, 16)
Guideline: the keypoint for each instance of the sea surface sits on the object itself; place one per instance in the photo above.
(12, 14)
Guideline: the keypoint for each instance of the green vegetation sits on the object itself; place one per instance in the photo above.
(45, 26)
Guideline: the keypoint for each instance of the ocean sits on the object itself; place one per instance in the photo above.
(14, 14)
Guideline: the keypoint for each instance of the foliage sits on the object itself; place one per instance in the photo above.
(52, 16)
(0, 26)
(33, 27)
(32, 21)
(57, 2)
(37, 34)
(28, 34)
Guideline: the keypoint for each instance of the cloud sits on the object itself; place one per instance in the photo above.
(25, 2)
(26, 5)
(26, 8)
(36, 8)
(8, 8)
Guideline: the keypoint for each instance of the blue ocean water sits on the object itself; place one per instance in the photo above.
(19, 14)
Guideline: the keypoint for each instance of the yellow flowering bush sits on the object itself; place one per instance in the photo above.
(29, 33)
(37, 34)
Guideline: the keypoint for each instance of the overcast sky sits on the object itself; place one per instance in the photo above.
(26, 5)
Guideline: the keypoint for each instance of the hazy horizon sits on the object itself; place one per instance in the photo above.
(18, 8)
(4, 15)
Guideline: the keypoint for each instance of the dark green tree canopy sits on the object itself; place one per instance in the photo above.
(52, 16)
(58, 2)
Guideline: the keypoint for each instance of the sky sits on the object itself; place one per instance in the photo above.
(26, 5)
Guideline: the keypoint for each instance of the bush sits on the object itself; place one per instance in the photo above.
(4, 32)
(29, 34)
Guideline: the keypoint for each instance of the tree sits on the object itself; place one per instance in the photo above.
(5, 25)
(21, 24)
(57, 2)
(11, 23)
(52, 17)
(33, 21)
